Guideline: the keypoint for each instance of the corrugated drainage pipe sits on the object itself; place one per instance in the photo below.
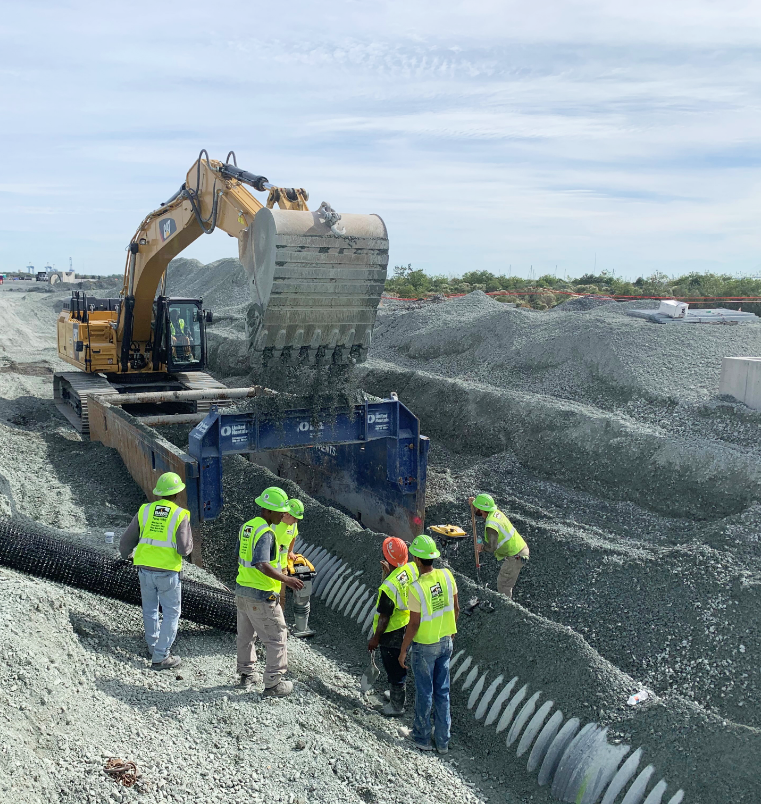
(27, 549)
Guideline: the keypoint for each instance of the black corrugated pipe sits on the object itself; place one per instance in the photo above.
(27, 548)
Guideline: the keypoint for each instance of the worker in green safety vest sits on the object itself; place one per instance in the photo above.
(434, 609)
(391, 618)
(160, 536)
(502, 540)
(257, 596)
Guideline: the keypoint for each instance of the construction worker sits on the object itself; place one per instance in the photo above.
(503, 540)
(287, 531)
(391, 618)
(434, 609)
(257, 596)
(160, 535)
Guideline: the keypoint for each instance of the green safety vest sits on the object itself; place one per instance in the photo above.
(284, 535)
(435, 590)
(395, 585)
(157, 547)
(248, 574)
(509, 541)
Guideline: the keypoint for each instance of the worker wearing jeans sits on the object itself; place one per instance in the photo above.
(434, 609)
(160, 536)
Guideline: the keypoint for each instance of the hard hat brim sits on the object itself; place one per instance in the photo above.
(177, 490)
(282, 509)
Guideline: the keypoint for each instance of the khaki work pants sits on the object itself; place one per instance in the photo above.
(509, 572)
(263, 619)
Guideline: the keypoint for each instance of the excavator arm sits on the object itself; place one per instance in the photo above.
(315, 277)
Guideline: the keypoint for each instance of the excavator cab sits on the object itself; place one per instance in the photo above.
(180, 335)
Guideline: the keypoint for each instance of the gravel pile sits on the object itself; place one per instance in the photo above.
(76, 690)
(601, 357)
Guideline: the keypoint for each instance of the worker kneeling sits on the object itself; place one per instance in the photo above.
(257, 596)
(434, 609)
(391, 618)
(160, 535)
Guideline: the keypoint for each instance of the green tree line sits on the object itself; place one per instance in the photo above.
(548, 290)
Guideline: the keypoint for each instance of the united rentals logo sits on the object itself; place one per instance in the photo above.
(167, 227)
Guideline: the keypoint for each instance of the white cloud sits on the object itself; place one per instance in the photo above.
(495, 133)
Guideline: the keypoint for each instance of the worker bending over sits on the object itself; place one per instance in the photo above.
(434, 609)
(391, 618)
(160, 535)
(503, 540)
(257, 596)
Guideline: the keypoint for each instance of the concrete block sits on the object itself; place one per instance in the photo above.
(741, 378)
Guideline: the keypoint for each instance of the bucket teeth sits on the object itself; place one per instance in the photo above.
(314, 294)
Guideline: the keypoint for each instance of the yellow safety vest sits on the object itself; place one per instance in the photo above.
(395, 585)
(509, 541)
(284, 535)
(435, 590)
(157, 547)
(248, 574)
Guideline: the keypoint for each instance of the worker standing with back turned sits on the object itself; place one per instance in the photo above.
(257, 596)
(160, 535)
(391, 618)
(434, 609)
(503, 541)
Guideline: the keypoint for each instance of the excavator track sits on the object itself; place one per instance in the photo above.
(70, 392)
(315, 287)
(200, 381)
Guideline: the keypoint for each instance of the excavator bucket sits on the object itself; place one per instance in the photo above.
(315, 286)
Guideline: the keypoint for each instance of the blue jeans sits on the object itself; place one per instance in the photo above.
(160, 589)
(430, 664)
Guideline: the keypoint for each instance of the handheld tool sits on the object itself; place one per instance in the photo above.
(476, 551)
(370, 676)
(303, 569)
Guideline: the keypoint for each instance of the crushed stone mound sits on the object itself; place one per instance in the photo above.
(600, 356)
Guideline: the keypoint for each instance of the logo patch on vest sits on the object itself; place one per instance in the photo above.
(162, 511)
(403, 577)
(438, 597)
(247, 531)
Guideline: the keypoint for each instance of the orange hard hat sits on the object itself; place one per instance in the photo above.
(395, 551)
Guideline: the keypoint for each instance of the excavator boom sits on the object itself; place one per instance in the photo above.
(315, 281)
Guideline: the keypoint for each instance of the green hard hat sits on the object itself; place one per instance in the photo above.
(169, 483)
(273, 499)
(485, 502)
(296, 508)
(424, 547)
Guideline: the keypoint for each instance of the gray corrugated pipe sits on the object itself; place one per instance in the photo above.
(578, 763)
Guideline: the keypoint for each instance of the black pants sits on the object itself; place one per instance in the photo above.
(397, 675)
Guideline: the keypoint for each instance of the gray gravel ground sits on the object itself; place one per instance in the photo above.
(646, 575)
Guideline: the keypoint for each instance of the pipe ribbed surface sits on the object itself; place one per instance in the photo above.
(27, 549)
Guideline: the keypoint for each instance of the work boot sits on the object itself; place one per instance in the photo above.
(169, 663)
(280, 690)
(395, 706)
(247, 680)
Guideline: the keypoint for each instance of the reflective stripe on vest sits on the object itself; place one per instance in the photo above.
(157, 546)
(248, 574)
(510, 542)
(435, 590)
(396, 586)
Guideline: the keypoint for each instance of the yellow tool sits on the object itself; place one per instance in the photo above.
(450, 531)
(297, 564)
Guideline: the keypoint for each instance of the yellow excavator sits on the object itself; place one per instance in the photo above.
(315, 281)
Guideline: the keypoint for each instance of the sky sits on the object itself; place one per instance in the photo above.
(522, 137)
